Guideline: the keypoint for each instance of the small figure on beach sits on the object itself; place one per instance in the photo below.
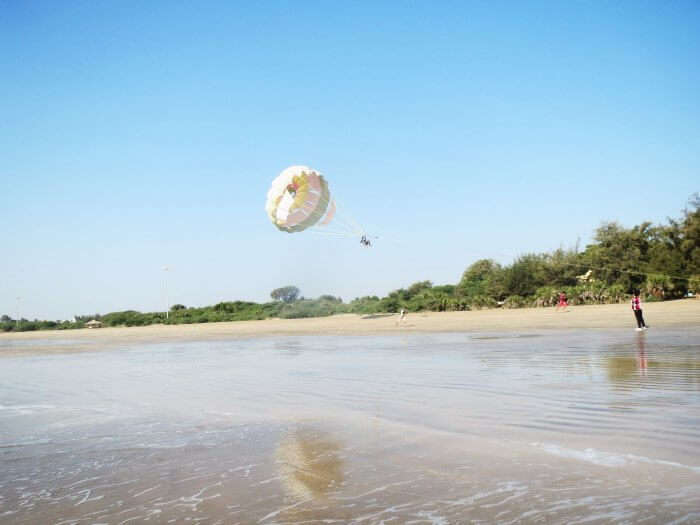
(637, 309)
(563, 302)
(402, 316)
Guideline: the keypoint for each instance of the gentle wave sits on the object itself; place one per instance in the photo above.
(608, 459)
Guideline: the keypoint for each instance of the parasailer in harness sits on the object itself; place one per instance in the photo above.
(292, 188)
(364, 241)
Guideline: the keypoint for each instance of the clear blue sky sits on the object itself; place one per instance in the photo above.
(141, 134)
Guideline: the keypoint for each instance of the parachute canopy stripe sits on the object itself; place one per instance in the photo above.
(329, 215)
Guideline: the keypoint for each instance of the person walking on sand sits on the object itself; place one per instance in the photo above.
(637, 309)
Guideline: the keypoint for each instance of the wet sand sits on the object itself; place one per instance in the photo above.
(671, 314)
(494, 416)
(547, 426)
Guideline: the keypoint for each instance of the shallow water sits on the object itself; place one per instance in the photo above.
(550, 427)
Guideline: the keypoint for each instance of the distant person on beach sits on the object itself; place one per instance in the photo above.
(563, 302)
(402, 316)
(637, 309)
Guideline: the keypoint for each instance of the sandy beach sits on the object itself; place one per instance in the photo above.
(669, 314)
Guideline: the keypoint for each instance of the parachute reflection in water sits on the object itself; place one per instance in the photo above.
(299, 199)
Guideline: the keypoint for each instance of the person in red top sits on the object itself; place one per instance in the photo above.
(563, 302)
(637, 309)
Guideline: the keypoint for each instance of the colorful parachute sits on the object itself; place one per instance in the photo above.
(298, 199)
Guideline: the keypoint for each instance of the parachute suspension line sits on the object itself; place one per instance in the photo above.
(334, 229)
(339, 223)
(631, 272)
(347, 220)
(598, 268)
(358, 227)
(514, 256)
(362, 231)
(342, 222)
(330, 233)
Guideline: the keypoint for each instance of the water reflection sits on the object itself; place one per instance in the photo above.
(652, 364)
(626, 369)
(309, 463)
(642, 361)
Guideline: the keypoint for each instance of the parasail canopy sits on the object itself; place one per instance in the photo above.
(298, 199)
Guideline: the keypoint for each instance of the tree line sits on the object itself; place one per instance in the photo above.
(661, 261)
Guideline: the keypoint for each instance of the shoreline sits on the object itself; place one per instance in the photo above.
(670, 314)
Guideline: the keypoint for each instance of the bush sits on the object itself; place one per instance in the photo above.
(515, 301)
(364, 305)
(482, 301)
(308, 308)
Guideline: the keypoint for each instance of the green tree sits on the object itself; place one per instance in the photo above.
(286, 294)
(485, 277)
(562, 267)
(330, 299)
(417, 288)
(526, 275)
(690, 236)
(620, 255)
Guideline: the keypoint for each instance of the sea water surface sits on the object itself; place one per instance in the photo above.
(546, 427)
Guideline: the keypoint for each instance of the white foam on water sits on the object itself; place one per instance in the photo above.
(588, 455)
(142, 492)
(26, 443)
(75, 484)
(693, 517)
(607, 459)
(429, 516)
(192, 502)
(382, 488)
(675, 464)
(283, 509)
(26, 409)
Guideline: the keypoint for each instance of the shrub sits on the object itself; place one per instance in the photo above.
(515, 301)
(482, 301)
